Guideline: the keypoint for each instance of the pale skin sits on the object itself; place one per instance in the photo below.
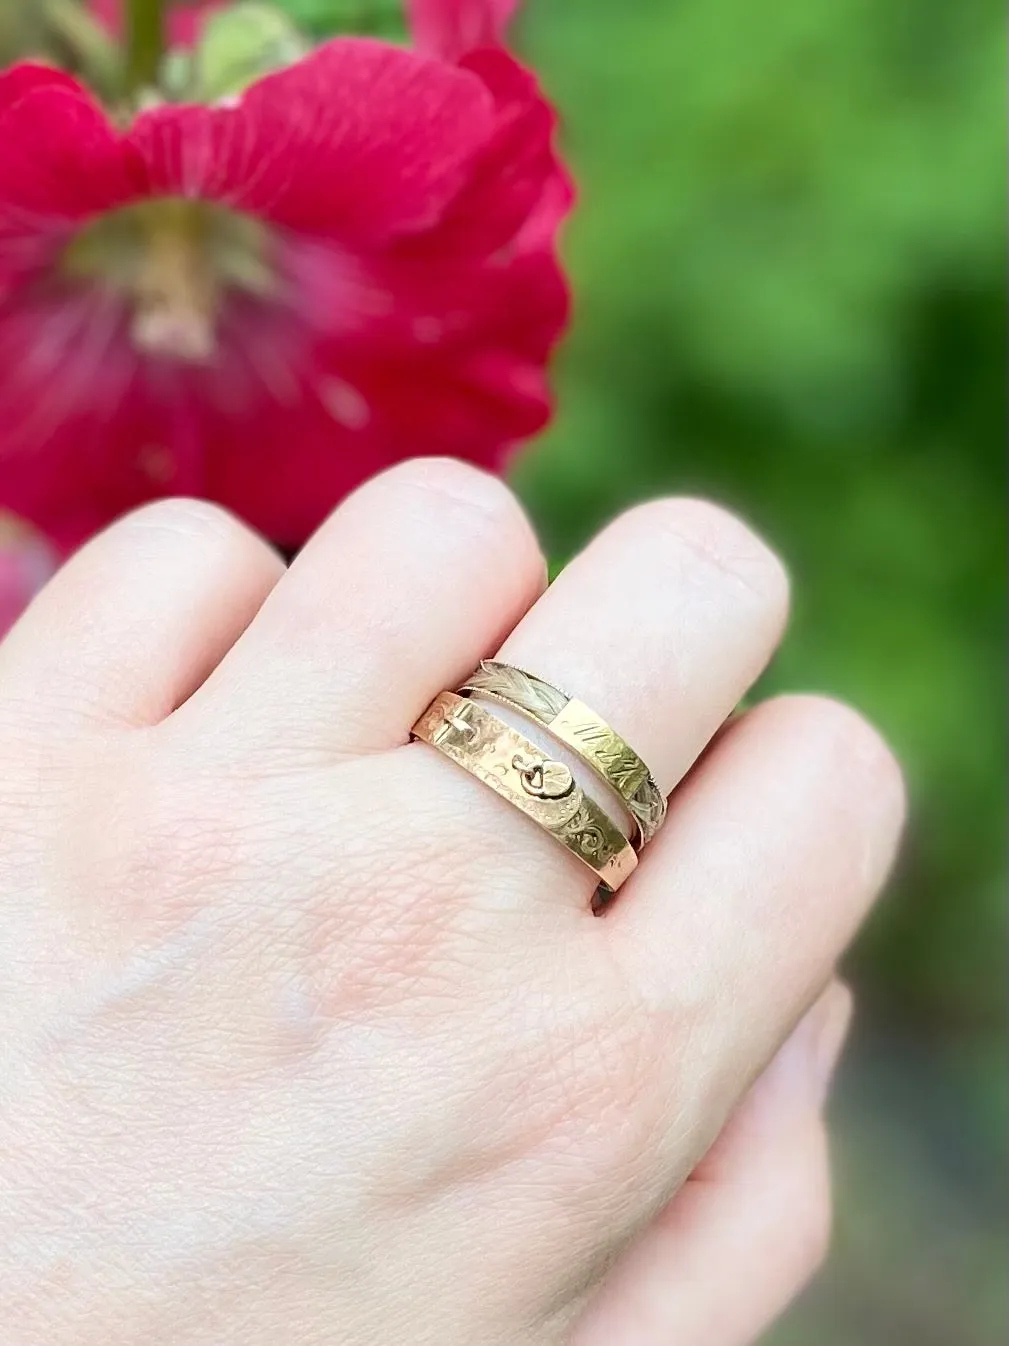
(310, 1038)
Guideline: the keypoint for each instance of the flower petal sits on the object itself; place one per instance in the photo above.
(27, 77)
(465, 375)
(525, 115)
(72, 443)
(451, 28)
(61, 160)
(415, 206)
(359, 141)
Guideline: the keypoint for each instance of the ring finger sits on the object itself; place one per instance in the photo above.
(661, 625)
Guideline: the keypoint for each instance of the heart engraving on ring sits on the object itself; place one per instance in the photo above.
(544, 780)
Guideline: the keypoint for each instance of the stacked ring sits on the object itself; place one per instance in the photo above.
(467, 732)
(520, 772)
(572, 723)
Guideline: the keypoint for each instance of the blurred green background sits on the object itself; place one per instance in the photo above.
(789, 263)
(790, 281)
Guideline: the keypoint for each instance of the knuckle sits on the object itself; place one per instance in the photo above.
(854, 747)
(719, 541)
(182, 514)
(465, 510)
(459, 487)
(194, 523)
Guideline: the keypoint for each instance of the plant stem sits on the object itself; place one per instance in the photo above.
(145, 42)
(89, 48)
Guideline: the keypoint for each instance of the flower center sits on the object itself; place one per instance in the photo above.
(175, 261)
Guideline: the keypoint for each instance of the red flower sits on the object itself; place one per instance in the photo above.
(184, 20)
(451, 28)
(265, 302)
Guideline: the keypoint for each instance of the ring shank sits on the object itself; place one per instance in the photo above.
(581, 730)
(471, 736)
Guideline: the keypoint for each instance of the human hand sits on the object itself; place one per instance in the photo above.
(310, 1038)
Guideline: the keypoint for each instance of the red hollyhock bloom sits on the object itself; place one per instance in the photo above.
(266, 301)
(184, 20)
(451, 28)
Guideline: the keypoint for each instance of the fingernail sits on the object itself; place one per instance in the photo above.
(810, 1057)
(837, 1014)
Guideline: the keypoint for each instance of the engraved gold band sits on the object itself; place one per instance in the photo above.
(470, 735)
(572, 723)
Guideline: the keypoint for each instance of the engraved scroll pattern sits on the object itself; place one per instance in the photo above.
(479, 742)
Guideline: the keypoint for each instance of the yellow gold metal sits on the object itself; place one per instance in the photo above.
(544, 790)
(572, 723)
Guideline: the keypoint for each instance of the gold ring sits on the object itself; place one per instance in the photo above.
(523, 774)
(572, 723)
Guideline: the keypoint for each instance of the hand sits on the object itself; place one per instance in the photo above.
(310, 1038)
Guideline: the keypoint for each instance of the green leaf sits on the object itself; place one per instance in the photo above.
(242, 43)
(790, 278)
(329, 18)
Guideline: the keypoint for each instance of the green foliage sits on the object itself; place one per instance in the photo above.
(326, 18)
(242, 43)
(788, 264)
(789, 270)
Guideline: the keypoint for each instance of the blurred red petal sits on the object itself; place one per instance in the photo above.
(61, 160)
(412, 207)
(451, 28)
(360, 140)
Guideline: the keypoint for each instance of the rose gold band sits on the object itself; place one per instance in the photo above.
(470, 735)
